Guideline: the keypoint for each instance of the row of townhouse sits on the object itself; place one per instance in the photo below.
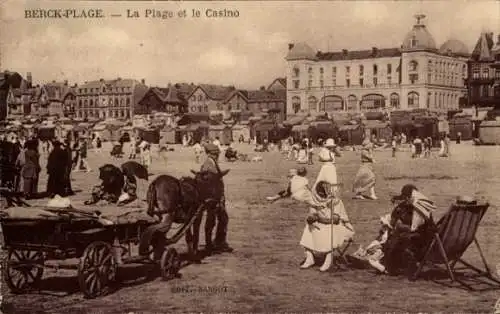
(207, 99)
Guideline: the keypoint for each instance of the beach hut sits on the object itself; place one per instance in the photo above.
(150, 135)
(322, 129)
(223, 132)
(101, 132)
(241, 130)
(378, 129)
(300, 131)
(461, 123)
(489, 132)
(195, 131)
(167, 136)
(351, 134)
(267, 129)
(46, 132)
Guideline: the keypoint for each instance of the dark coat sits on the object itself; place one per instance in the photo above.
(31, 166)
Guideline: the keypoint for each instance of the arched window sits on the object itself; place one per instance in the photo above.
(332, 103)
(296, 72)
(394, 100)
(116, 102)
(199, 108)
(372, 101)
(313, 103)
(205, 108)
(296, 104)
(128, 101)
(412, 100)
(91, 103)
(352, 102)
(413, 65)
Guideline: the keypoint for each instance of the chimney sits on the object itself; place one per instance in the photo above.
(143, 81)
(290, 46)
(29, 79)
(374, 51)
(344, 53)
(65, 82)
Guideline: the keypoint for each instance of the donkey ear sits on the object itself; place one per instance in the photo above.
(224, 172)
(194, 172)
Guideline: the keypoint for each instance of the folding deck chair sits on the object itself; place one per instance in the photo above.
(453, 234)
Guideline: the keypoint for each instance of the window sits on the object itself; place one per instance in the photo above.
(412, 100)
(485, 74)
(352, 102)
(91, 103)
(475, 71)
(128, 101)
(205, 108)
(394, 100)
(413, 78)
(296, 104)
(116, 102)
(321, 83)
(296, 84)
(199, 108)
(200, 97)
(429, 95)
(361, 70)
(389, 69)
(375, 81)
(389, 80)
(348, 83)
(334, 82)
(361, 82)
(321, 70)
(313, 103)
(347, 70)
(331, 103)
(375, 69)
(497, 74)
(372, 101)
(310, 71)
(296, 72)
(309, 83)
(334, 71)
(414, 42)
(413, 65)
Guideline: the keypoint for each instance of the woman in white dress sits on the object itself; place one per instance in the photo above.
(327, 156)
(327, 226)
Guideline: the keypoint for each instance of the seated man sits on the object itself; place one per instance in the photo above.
(286, 192)
(231, 154)
(410, 231)
(110, 189)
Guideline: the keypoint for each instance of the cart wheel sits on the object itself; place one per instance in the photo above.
(23, 269)
(97, 269)
(170, 264)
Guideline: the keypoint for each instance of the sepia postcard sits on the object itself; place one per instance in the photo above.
(249, 156)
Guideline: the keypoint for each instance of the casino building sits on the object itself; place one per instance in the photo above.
(416, 75)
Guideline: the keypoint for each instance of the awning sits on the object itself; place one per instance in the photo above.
(348, 127)
(264, 127)
(481, 115)
(218, 127)
(300, 128)
(375, 124)
(294, 120)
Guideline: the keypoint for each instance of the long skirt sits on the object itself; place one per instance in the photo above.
(365, 179)
(321, 238)
(328, 173)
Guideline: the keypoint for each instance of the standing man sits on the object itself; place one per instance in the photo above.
(211, 165)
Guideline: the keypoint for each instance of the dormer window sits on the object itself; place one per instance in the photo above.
(413, 42)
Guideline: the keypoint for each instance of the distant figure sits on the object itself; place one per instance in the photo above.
(198, 151)
(98, 145)
(365, 178)
(418, 147)
(217, 143)
(56, 165)
(29, 161)
(394, 146)
(459, 137)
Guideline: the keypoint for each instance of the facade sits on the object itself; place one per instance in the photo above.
(416, 75)
(172, 100)
(207, 98)
(104, 99)
(264, 103)
(484, 73)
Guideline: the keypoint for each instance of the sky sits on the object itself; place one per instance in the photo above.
(247, 51)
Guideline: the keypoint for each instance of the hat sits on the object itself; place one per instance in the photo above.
(56, 143)
(292, 172)
(330, 143)
(301, 171)
(406, 192)
(466, 200)
(211, 148)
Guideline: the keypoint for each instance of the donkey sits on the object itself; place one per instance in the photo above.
(177, 200)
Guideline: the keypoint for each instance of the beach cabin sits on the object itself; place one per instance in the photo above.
(381, 130)
(461, 123)
(323, 129)
(167, 135)
(222, 131)
(489, 132)
(351, 134)
(300, 131)
(241, 130)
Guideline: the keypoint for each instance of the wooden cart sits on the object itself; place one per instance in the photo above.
(68, 234)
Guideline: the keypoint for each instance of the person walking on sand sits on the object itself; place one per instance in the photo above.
(365, 178)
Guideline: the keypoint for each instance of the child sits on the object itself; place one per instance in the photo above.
(287, 192)
(373, 252)
(328, 225)
(146, 155)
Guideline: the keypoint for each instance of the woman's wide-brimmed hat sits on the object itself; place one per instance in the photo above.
(329, 143)
(466, 200)
(406, 192)
(320, 190)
